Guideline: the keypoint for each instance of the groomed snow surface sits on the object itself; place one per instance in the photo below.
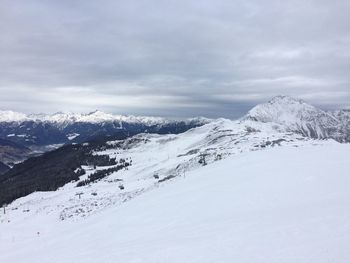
(282, 204)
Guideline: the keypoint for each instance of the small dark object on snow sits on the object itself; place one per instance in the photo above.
(166, 178)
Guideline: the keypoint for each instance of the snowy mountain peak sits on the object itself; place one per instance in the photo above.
(298, 116)
(11, 116)
(283, 99)
(283, 109)
(97, 116)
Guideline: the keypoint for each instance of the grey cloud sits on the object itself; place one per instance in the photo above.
(176, 58)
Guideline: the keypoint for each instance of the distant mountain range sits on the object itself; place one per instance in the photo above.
(42, 132)
(60, 128)
(62, 120)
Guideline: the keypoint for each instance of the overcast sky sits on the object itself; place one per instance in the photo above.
(172, 58)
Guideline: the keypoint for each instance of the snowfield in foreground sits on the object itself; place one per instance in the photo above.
(282, 204)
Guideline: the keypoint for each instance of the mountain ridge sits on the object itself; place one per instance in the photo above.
(298, 116)
(62, 128)
(96, 116)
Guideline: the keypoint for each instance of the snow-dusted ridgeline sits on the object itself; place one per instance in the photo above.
(61, 118)
(60, 128)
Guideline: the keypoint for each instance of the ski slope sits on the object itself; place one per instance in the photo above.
(281, 204)
(165, 156)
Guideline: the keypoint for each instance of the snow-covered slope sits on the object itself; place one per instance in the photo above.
(298, 116)
(164, 155)
(156, 158)
(283, 204)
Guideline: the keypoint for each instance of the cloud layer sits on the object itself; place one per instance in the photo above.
(173, 58)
